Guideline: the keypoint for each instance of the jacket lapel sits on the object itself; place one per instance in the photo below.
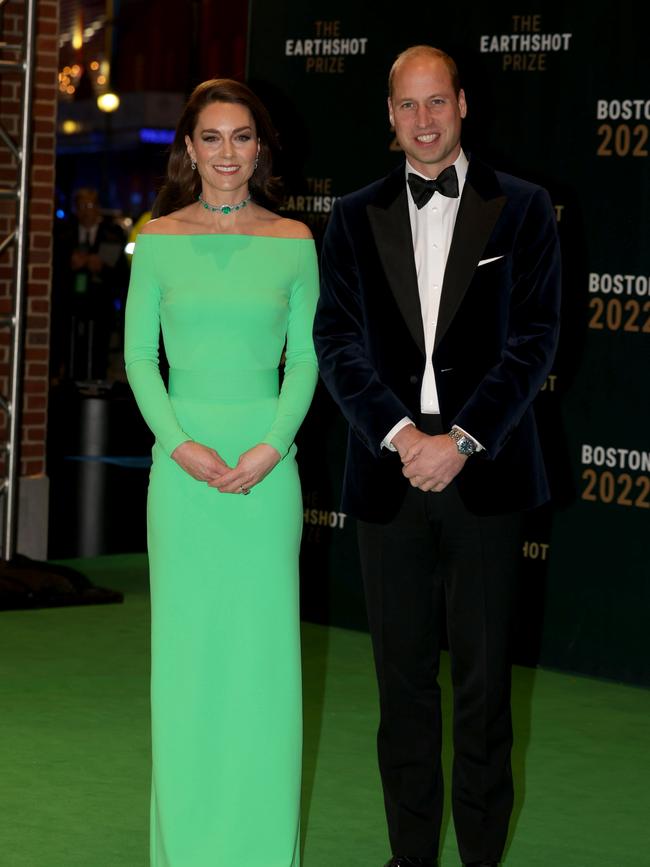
(391, 227)
(480, 206)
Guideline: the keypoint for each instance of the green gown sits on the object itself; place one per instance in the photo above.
(225, 680)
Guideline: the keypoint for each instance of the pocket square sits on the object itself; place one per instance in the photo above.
(486, 261)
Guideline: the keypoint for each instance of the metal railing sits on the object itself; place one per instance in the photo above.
(21, 150)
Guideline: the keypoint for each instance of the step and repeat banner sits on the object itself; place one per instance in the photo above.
(558, 94)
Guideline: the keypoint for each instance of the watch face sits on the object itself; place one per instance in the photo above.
(466, 446)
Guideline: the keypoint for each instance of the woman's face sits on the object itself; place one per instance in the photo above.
(224, 147)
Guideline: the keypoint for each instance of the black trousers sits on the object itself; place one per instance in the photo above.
(436, 560)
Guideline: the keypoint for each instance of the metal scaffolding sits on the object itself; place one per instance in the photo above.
(23, 63)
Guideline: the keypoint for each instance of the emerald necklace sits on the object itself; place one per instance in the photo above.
(223, 209)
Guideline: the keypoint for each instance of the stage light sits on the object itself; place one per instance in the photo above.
(156, 136)
(108, 102)
(69, 127)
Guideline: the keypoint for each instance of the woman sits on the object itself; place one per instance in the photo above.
(229, 282)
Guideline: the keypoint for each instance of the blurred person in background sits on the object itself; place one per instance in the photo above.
(90, 279)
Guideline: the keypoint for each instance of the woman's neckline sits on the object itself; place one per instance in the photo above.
(217, 235)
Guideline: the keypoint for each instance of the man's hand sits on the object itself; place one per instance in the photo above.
(201, 462)
(405, 438)
(251, 468)
(430, 462)
(95, 264)
(78, 260)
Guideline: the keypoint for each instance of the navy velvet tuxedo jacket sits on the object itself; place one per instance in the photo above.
(495, 340)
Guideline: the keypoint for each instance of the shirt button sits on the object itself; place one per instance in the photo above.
(435, 246)
(413, 380)
(435, 286)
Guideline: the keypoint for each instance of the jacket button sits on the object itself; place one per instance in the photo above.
(413, 380)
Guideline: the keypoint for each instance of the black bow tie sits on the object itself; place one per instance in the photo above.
(446, 184)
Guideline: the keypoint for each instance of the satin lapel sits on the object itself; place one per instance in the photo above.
(475, 221)
(392, 231)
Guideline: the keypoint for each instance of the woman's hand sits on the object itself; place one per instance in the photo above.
(251, 468)
(201, 462)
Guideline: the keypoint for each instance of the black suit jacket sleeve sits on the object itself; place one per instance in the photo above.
(495, 408)
(369, 405)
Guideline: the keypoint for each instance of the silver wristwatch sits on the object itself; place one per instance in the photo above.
(465, 445)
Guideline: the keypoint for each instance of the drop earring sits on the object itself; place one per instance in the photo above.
(193, 165)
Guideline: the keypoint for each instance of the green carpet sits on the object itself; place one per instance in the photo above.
(75, 747)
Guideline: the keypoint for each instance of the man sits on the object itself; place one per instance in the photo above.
(91, 278)
(436, 328)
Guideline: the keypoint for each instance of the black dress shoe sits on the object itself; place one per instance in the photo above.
(404, 861)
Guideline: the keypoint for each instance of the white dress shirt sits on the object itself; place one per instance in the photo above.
(432, 228)
(87, 235)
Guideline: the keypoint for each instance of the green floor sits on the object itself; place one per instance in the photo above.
(75, 748)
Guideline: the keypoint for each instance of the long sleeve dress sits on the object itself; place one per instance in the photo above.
(225, 681)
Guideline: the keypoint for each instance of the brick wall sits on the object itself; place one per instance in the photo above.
(41, 197)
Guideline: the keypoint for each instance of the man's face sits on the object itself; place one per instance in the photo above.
(87, 208)
(426, 114)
